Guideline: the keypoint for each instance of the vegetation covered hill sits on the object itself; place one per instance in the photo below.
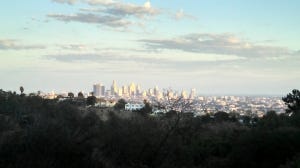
(37, 132)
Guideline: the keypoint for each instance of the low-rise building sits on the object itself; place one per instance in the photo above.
(134, 106)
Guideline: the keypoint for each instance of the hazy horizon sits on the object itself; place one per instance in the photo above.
(218, 47)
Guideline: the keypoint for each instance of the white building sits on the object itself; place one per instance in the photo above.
(134, 106)
(99, 90)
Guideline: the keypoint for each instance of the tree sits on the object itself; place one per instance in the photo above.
(221, 116)
(21, 89)
(147, 109)
(71, 95)
(292, 100)
(270, 121)
(80, 95)
(59, 96)
(91, 100)
(120, 104)
(178, 106)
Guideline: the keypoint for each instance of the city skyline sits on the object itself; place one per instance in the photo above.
(217, 47)
(133, 90)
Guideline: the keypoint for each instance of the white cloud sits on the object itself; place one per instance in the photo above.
(111, 21)
(180, 14)
(70, 2)
(108, 12)
(122, 9)
(9, 44)
(147, 5)
(100, 2)
(74, 47)
(225, 44)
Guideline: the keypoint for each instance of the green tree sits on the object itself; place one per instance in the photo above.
(120, 104)
(147, 109)
(59, 96)
(270, 121)
(80, 95)
(21, 89)
(292, 100)
(71, 95)
(221, 116)
(91, 100)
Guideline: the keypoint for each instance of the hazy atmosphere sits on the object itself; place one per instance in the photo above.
(216, 46)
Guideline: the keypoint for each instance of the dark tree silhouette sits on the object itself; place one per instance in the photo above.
(292, 100)
(40, 132)
(147, 109)
(80, 95)
(221, 116)
(91, 100)
(120, 105)
(71, 95)
(59, 96)
(21, 89)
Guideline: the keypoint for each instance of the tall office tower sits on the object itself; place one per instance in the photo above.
(144, 94)
(159, 95)
(168, 94)
(138, 90)
(156, 90)
(102, 93)
(184, 94)
(132, 90)
(150, 92)
(125, 90)
(97, 90)
(114, 88)
(193, 94)
(120, 92)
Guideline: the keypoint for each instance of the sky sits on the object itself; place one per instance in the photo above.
(218, 47)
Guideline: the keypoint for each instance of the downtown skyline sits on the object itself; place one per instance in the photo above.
(218, 47)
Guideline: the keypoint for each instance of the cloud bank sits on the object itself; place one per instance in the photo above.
(111, 21)
(225, 44)
(107, 12)
(180, 14)
(9, 44)
(70, 2)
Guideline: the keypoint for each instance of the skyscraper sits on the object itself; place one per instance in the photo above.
(125, 90)
(97, 90)
(132, 89)
(102, 94)
(114, 88)
(183, 94)
(156, 90)
(193, 93)
(138, 90)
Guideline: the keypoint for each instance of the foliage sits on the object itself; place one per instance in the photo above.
(71, 95)
(91, 100)
(221, 116)
(147, 109)
(292, 100)
(80, 95)
(120, 105)
(37, 132)
(22, 91)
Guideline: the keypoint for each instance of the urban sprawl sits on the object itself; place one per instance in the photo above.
(135, 96)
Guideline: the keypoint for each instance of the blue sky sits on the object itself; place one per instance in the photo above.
(216, 46)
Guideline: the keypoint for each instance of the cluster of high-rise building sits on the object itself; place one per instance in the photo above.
(135, 91)
(132, 90)
(134, 94)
